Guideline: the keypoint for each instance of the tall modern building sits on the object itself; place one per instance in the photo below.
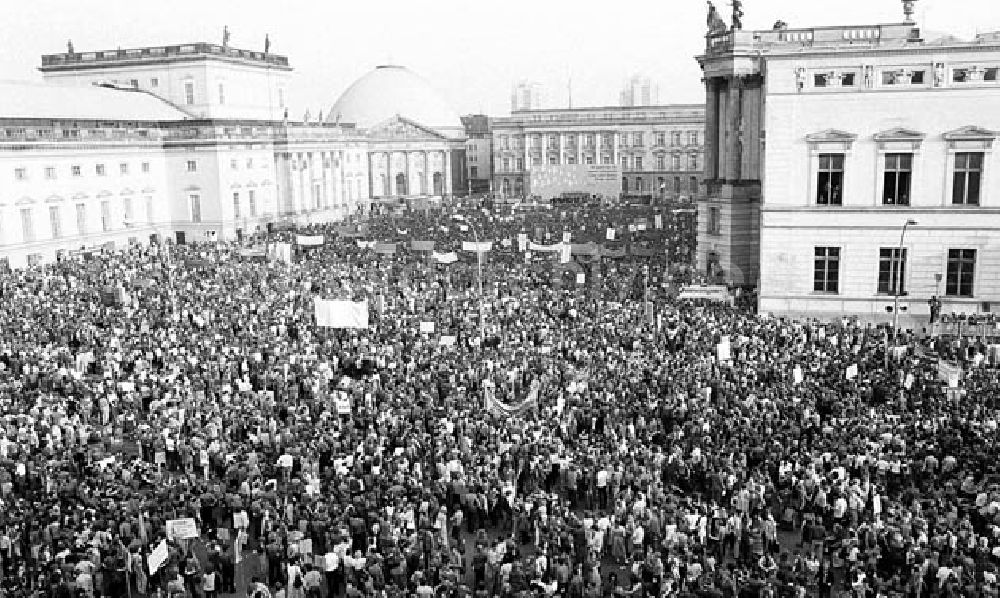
(526, 95)
(655, 151)
(849, 169)
(193, 143)
(639, 91)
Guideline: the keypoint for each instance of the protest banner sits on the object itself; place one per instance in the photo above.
(341, 314)
(158, 557)
(309, 240)
(182, 529)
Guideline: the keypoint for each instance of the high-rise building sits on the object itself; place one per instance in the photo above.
(639, 91)
(526, 95)
(873, 188)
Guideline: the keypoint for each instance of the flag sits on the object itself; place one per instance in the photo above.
(498, 407)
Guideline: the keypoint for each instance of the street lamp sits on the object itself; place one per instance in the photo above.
(896, 281)
(479, 271)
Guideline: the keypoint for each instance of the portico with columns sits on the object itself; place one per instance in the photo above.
(407, 160)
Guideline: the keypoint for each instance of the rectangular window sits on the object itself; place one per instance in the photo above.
(233, 164)
(149, 208)
(127, 209)
(661, 163)
(145, 167)
(830, 180)
(826, 276)
(896, 179)
(27, 226)
(81, 218)
(693, 162)
(473, 172)
(252, 203)
(123, 168)
(222, 94)
(99, 169)
(675, 162)
(189, 92)
(553, 141)
(675, 138)
(76, 170)
(50, 172)
(693, 185)
(154, 82)
(105, 216)
(677, 185)
(961, 272)
(847, 80)
(606, 159)
(968, 177)
(713, 221)
(693, 138)
(192, 166)
(590, 140)
(891, 271)
(624, 162)
(553, 159)
(637, 139)
(661, 139)
(506, 165)
(589, 159)
(607, 140)
(236, 205)
(819, 80)
(55, 221)
(638, 162)
(20, 174)
(195, 201)
(519, 165)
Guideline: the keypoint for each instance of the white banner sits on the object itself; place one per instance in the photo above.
(158, 557)
(724, 349)
(565, 252)
(797, 374)
(366, 244)
(610, 235)
(444, 258)
(182, 529)
(852, 372)
(447, 341)
(536, 247)
(479, 246)
(658, 221)
(341, 314)
(309, 240)
(567, 235)
(522, 242)
(427, 327)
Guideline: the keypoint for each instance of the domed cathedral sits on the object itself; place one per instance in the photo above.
(416, 140)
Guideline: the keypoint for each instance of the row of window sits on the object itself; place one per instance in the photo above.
(107, 222)
(959, 278)
(76, 170)
(639, 185)
(189, 97)
(897, 179)
(607, 139)
(627, 163)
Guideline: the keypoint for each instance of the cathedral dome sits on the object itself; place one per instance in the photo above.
(390, 91)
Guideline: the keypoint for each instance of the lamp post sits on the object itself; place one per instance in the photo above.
(896, 281)
(479, 272)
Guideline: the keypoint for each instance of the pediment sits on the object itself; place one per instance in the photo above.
(80, 196)
(899, 134)
(831, 136)
(970, 133)
(399, 127)
(53, 199)
(126, 191)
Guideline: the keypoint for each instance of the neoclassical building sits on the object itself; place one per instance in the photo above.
(194, 143)
(873, 187)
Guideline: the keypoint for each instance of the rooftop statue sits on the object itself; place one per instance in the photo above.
(737, 15)
(715, 22)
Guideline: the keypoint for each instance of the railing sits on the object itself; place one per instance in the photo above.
(49, 60)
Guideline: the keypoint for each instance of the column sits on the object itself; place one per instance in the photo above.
(615, 141)
(527, 151)
(424, 187)
(711, 157)
(409, 181)
(579, 148)
(562, 160)
(598, 138)
(371, 180)
(447, 172)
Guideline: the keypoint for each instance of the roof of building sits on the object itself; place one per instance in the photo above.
(390, 91)
(20, 99)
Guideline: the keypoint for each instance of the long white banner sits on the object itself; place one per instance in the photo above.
(341, 314)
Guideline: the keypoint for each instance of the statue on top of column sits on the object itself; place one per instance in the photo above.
(737, 15)
(715, 22)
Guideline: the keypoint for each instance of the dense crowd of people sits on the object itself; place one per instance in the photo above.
(573, 436)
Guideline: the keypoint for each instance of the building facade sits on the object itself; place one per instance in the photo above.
(639, 91)
(478, 153)
(659, 148)
(526, 95)
(874, 187)
(83, 166)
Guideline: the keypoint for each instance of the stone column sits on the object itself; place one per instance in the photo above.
(426, 172)
(527, 151)
(598, 138)
(409, 182)
(371, 179)
(447, 172)
(579, 148)
(615, 141)
(562, 160)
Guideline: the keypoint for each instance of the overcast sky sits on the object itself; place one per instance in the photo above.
(472, 51)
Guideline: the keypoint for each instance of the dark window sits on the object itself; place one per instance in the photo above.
(826, 276)
(961, 272)
(713, 221)
(677, 185)
(990, 75)
(968, 176)
(847, 80)
(896, 179)
(918, 77)
(819, 80)
(891, 271)
(830, 181)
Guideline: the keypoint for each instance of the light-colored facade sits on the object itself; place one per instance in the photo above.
(659, 148)
(83, 166)
(871, 130)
